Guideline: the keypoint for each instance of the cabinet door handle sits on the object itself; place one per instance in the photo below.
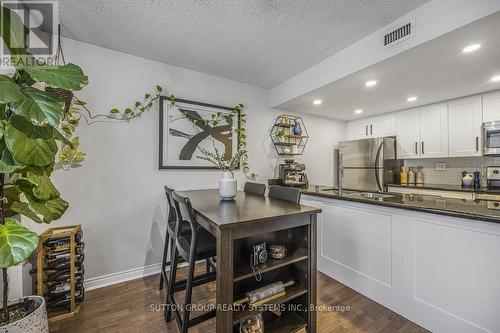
(477, 143)
(371, 129)
(366, 129)
(416, 148)
(422, 147)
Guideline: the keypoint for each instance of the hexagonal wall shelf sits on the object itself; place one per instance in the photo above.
(289, 135)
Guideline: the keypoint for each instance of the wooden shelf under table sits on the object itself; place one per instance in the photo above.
(244, 271)
(289, 322)
(290, 293)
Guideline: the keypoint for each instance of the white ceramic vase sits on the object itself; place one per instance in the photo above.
(35, 322)
(227, 186)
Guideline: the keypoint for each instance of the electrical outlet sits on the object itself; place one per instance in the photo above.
(440, 166)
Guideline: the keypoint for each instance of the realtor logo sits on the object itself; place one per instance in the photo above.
(40, 20)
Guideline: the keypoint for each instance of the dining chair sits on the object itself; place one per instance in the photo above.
(197, 244)
(255, 188)
(169, 236)
(291, 194)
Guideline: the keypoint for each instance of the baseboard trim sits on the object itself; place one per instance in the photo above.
(124, 276)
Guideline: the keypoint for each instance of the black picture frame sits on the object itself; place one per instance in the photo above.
(163, 100)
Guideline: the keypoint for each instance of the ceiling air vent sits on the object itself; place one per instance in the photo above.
(394, 36)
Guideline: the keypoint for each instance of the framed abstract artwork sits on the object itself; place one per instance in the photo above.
(183, 131)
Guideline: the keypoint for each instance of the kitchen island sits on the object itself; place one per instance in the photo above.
(434, 260)
(480, 210)
(244, 222)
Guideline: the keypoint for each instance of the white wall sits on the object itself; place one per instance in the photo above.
(117, 195)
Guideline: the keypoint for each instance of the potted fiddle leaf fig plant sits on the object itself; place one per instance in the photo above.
(32, 134)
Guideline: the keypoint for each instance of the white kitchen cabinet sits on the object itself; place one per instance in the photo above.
(359, 247)
(357, 129)
(372, 127)
(451, 282)
(465, 120)
(423, 132)
(441, 272)
(491, 106)
(408, 134)
(434, 130)
(383, 125)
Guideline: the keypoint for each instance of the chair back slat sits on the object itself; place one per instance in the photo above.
(255, 188)
(171, 214)
(290, 194)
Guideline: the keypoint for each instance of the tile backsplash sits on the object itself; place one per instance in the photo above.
(454, 167)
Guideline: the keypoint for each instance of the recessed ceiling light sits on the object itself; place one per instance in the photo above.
(495, 78)
(471, 48)
(370, 83)
(358, 111)
(317, 102)
(412, 99)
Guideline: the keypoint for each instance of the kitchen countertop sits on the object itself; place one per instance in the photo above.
(447, 187)
(469, 209)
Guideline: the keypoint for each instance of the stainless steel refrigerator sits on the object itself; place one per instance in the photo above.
(368, 164)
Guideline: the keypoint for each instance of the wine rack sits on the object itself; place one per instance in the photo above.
(66, 251)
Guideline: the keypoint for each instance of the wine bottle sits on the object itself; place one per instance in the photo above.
(65, 301)
(60, 264)
(58, 290)
(66, 253)
(50, 284)
(58, 241)
(63, 275)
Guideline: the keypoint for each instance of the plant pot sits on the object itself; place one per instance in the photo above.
(64, 95)
(227, 186)
(35, 322)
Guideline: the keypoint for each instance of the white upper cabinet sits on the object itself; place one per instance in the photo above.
(383, 125)
(465, 121)
(377, 126)
(434, 130)
(491, 106)
(357, 129)
(423, 132)
(408, 133)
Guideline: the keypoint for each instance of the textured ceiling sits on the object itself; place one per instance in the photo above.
(260, 42)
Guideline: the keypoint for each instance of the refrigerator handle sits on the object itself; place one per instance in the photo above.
(377, 158)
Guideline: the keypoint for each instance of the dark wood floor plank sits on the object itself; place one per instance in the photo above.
(134, 306)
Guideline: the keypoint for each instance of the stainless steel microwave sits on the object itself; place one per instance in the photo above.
(491, 138)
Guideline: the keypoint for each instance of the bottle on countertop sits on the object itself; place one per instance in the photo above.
(411, 176)
(477, 180)
(404, 176)
(419, 176)
(467, 179)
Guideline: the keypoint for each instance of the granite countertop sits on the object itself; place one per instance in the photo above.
(447, 187)
(481, 210)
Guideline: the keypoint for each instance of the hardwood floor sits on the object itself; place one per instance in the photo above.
(135, 307)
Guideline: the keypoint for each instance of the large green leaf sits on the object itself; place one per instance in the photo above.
(14, 206)
(68, 76)
(29, 144)
(39, 107)
(7, 162)
(10, 92)
(17, 243)
(50, 210)
(23, 209)
(39, 186)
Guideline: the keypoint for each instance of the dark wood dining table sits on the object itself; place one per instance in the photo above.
(249, 215)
